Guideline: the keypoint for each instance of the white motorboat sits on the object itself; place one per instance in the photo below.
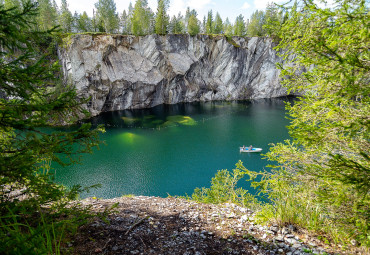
(246, 149)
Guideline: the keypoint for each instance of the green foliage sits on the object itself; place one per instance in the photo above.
(176, 25)
(47, 15)
(107, 17)
(325, 170)
(125, 23)
(228, 28)
(31, 97)
(239, 26)
(83, 23)
(162, 19)
(224, 189)
(255, 26)
(140, 21)
(65, 18)
(193, 25)
(218, 26)
(209, 23)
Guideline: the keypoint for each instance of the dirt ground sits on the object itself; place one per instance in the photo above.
(153, 225)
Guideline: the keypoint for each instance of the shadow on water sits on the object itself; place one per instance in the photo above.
(171, 149)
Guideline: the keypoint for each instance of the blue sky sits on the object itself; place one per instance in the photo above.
(226, 8)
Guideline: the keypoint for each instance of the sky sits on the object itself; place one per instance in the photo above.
(226, 8)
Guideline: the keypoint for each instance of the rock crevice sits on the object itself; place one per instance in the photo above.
(124, 72)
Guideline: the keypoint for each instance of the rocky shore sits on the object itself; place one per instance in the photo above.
(153, 225)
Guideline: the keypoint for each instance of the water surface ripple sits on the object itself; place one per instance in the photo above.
(172, 149)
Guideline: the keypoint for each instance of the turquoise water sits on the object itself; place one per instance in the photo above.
(172, 149)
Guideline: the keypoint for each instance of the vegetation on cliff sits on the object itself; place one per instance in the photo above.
(321, 177)
(31, 96)
(142, 20)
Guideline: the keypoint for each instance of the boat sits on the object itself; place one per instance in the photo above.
(246, 149)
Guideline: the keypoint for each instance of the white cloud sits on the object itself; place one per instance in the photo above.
(153, 5)
(177, 6)
(246, 6)
(198, 4)
(262, 4)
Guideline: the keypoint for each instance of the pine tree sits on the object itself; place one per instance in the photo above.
(162, 19)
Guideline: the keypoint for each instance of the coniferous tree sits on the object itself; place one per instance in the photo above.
(47, 15)
(209, 23)
(162, 19)
(228, 27)
(218, 26)
(125, 23)
(141, 18)
(84, 23)
(177, 25)
(12, 3)
(65, 18)
(239, 26)
(324, 169)
(107, 16)
(189, 13)
(33, 97)
(255, 26)
(193, 25)
(275, 16)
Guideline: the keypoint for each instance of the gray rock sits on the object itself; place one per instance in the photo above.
(126, 72)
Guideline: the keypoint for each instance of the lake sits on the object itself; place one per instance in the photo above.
(172, 149)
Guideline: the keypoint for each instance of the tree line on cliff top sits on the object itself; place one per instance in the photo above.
(140, 19)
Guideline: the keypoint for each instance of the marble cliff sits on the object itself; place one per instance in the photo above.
(125, 72)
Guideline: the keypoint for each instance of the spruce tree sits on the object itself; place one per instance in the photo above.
(83, 23)
(239, 26)
(47, 15)
(193, 25)
(141, 18)
(107, 16)
(65, 18)
(162, 19)
(209, 23)
(31, 98)
(218, 26)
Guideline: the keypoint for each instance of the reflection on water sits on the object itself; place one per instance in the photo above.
(171, 149)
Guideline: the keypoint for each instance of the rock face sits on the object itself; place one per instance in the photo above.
(124, 72)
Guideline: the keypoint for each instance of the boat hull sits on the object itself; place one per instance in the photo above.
(253, 150)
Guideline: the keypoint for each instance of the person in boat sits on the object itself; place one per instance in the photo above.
(243, 147)
(250, 148)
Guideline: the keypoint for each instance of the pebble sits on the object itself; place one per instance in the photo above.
(279, 238)
(244, 218)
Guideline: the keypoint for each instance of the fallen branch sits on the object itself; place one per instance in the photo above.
(136, 224)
